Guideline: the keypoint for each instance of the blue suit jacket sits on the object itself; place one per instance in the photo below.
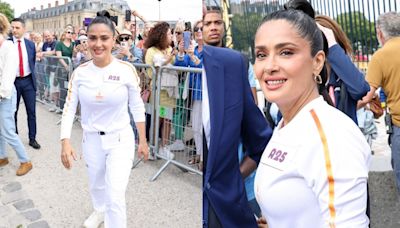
(233, 115)
(30, 49)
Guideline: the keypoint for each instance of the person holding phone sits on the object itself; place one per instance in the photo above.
(81, 53)
(127, 51)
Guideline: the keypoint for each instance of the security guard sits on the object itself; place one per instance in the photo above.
(105, 87)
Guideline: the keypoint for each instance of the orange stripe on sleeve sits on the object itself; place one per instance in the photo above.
(328, 167)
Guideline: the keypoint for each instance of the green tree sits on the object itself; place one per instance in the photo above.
(360, 31)
(244, 28)
(6, 9)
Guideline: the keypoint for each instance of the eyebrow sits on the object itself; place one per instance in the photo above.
(278, 46)
(212, 21)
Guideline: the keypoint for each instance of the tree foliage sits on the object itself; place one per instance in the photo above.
(6, 9)
(244, 28)
(360, 31)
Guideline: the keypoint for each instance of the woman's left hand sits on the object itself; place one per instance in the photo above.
(143, 151)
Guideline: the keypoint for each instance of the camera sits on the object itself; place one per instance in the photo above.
(186, 39)
(188, 26)
(114, 19)
(128, 14)
(388, 123)
(124, 44)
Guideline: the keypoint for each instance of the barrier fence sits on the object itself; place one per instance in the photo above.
(173, 108)
(357, 19)
(52, 77)
(178, 116)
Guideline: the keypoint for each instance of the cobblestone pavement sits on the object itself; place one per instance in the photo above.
(51, 196)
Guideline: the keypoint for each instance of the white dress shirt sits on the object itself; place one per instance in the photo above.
(27, 70)
(104, 95)
(206, 108)
(8, 60)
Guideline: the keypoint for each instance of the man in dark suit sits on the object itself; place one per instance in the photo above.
(25, 82)
(229, 113)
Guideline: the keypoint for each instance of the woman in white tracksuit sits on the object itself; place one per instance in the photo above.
(313, 172)
(105, 87)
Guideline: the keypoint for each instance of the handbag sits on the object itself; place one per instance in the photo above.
(375, 107)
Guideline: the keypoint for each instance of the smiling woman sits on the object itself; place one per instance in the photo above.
(325, 161)
(105, 87)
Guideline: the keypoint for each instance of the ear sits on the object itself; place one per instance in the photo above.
(318, 62)
(380, 36)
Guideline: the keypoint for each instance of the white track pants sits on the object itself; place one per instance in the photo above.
(197, 126)
(109, 160)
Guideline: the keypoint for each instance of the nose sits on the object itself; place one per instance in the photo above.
(270, 65)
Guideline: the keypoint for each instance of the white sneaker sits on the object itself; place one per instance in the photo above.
(177, 145)
(165, 152)
(52, 109)
(94, 220)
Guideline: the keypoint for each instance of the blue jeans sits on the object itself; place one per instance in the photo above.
(7, 128)
(395, 146)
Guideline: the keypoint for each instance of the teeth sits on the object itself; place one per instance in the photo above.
(276, 82)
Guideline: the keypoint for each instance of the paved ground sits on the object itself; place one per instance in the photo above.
(385, 205)
(51, 196)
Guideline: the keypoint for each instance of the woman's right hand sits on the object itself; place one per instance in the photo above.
(67, 153)
(330, 36)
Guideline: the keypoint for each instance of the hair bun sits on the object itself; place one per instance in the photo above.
(103, 13)
(302, 5)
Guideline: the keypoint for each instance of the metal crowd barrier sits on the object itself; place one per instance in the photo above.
(52, 82)
(174, 114)
(147, 88)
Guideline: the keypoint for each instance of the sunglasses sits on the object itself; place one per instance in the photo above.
(178, 33)
(69, 32)
(198, 29)
(126, 38)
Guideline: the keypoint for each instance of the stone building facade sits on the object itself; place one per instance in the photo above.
(55, 18)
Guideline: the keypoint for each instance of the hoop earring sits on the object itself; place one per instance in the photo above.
(318, 79)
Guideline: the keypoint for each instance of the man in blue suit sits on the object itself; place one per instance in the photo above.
(229, 113)
(25, 82)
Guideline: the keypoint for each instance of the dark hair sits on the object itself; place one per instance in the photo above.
(302, 5)
(157, 36)
(213, 9)
(307, 29)
(103, 17)
(18, 19)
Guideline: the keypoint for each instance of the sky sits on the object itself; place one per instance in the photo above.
(189, 10)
